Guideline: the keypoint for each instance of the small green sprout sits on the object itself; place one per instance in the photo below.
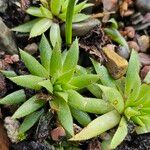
(49, 15)
(130, 99)
(57, 75)
(114, 34)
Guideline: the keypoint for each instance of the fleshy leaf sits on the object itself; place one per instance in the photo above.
(134, 92)
(114, 97)
(26, 27)
(28, 81)
(14, 98)
(56, 6)
(46, 13)
(35, 11)
(29, 121)
(120, 134)
(40, 27)
(47, 84)
(64, 116)
(132, 73)
(8, 73)
(82, 117)
(62, 95)
(80, 17)
(146, 127)
(91, 105)
(55, 64)
(55, 36)
(95, 90)
(28, 107)
(98, 126)
(79, 7)
(83, 81)
(105, 78)
(66, 77)
(33, 65)
(72, 56)
(45, 53)
(116, 36)
(144, 90)
(113, 22)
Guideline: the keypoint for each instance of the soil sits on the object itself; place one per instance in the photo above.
(90, 44)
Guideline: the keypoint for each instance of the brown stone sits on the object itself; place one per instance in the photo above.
(117, 65)
(133, 45)
(144, 59)
(130, 32)
(58, 133)
(110, 5)
(31, 48)
(144, 43)
(144, 71)
(4, 141)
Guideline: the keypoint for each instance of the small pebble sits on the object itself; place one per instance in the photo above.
(110, 5)
(81, 28)
(133, 45)
(143, 5)
(58, 133)
(31, 48)
(12, 127)
(144, 59)
(15, 58)
(144, 71)
(123, 52)
(144, 43)
(130, 32)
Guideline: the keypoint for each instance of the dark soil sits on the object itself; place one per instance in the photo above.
(92, 44)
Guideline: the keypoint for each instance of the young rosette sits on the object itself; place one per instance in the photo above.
(57, 75)
(49, 15)
(130, 99)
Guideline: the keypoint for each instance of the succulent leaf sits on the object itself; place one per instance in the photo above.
(14, 98)
(28, 81)
(45, 53)
(28, 107)
(40, 27)
(120, 134)
(114, 97)
(33, 65)
(29, 121)
(82, 117)
(72, 57)
(98, 126)
(26, 27)
(91, 105)
(64, 115)
(83, 81)
(55, 36)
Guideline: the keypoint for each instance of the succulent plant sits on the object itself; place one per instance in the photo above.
(50, 14)
(58, 76)
(130, 99)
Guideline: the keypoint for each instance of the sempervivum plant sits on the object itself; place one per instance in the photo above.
(50, 14)
(130, 99)
(56, 74)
